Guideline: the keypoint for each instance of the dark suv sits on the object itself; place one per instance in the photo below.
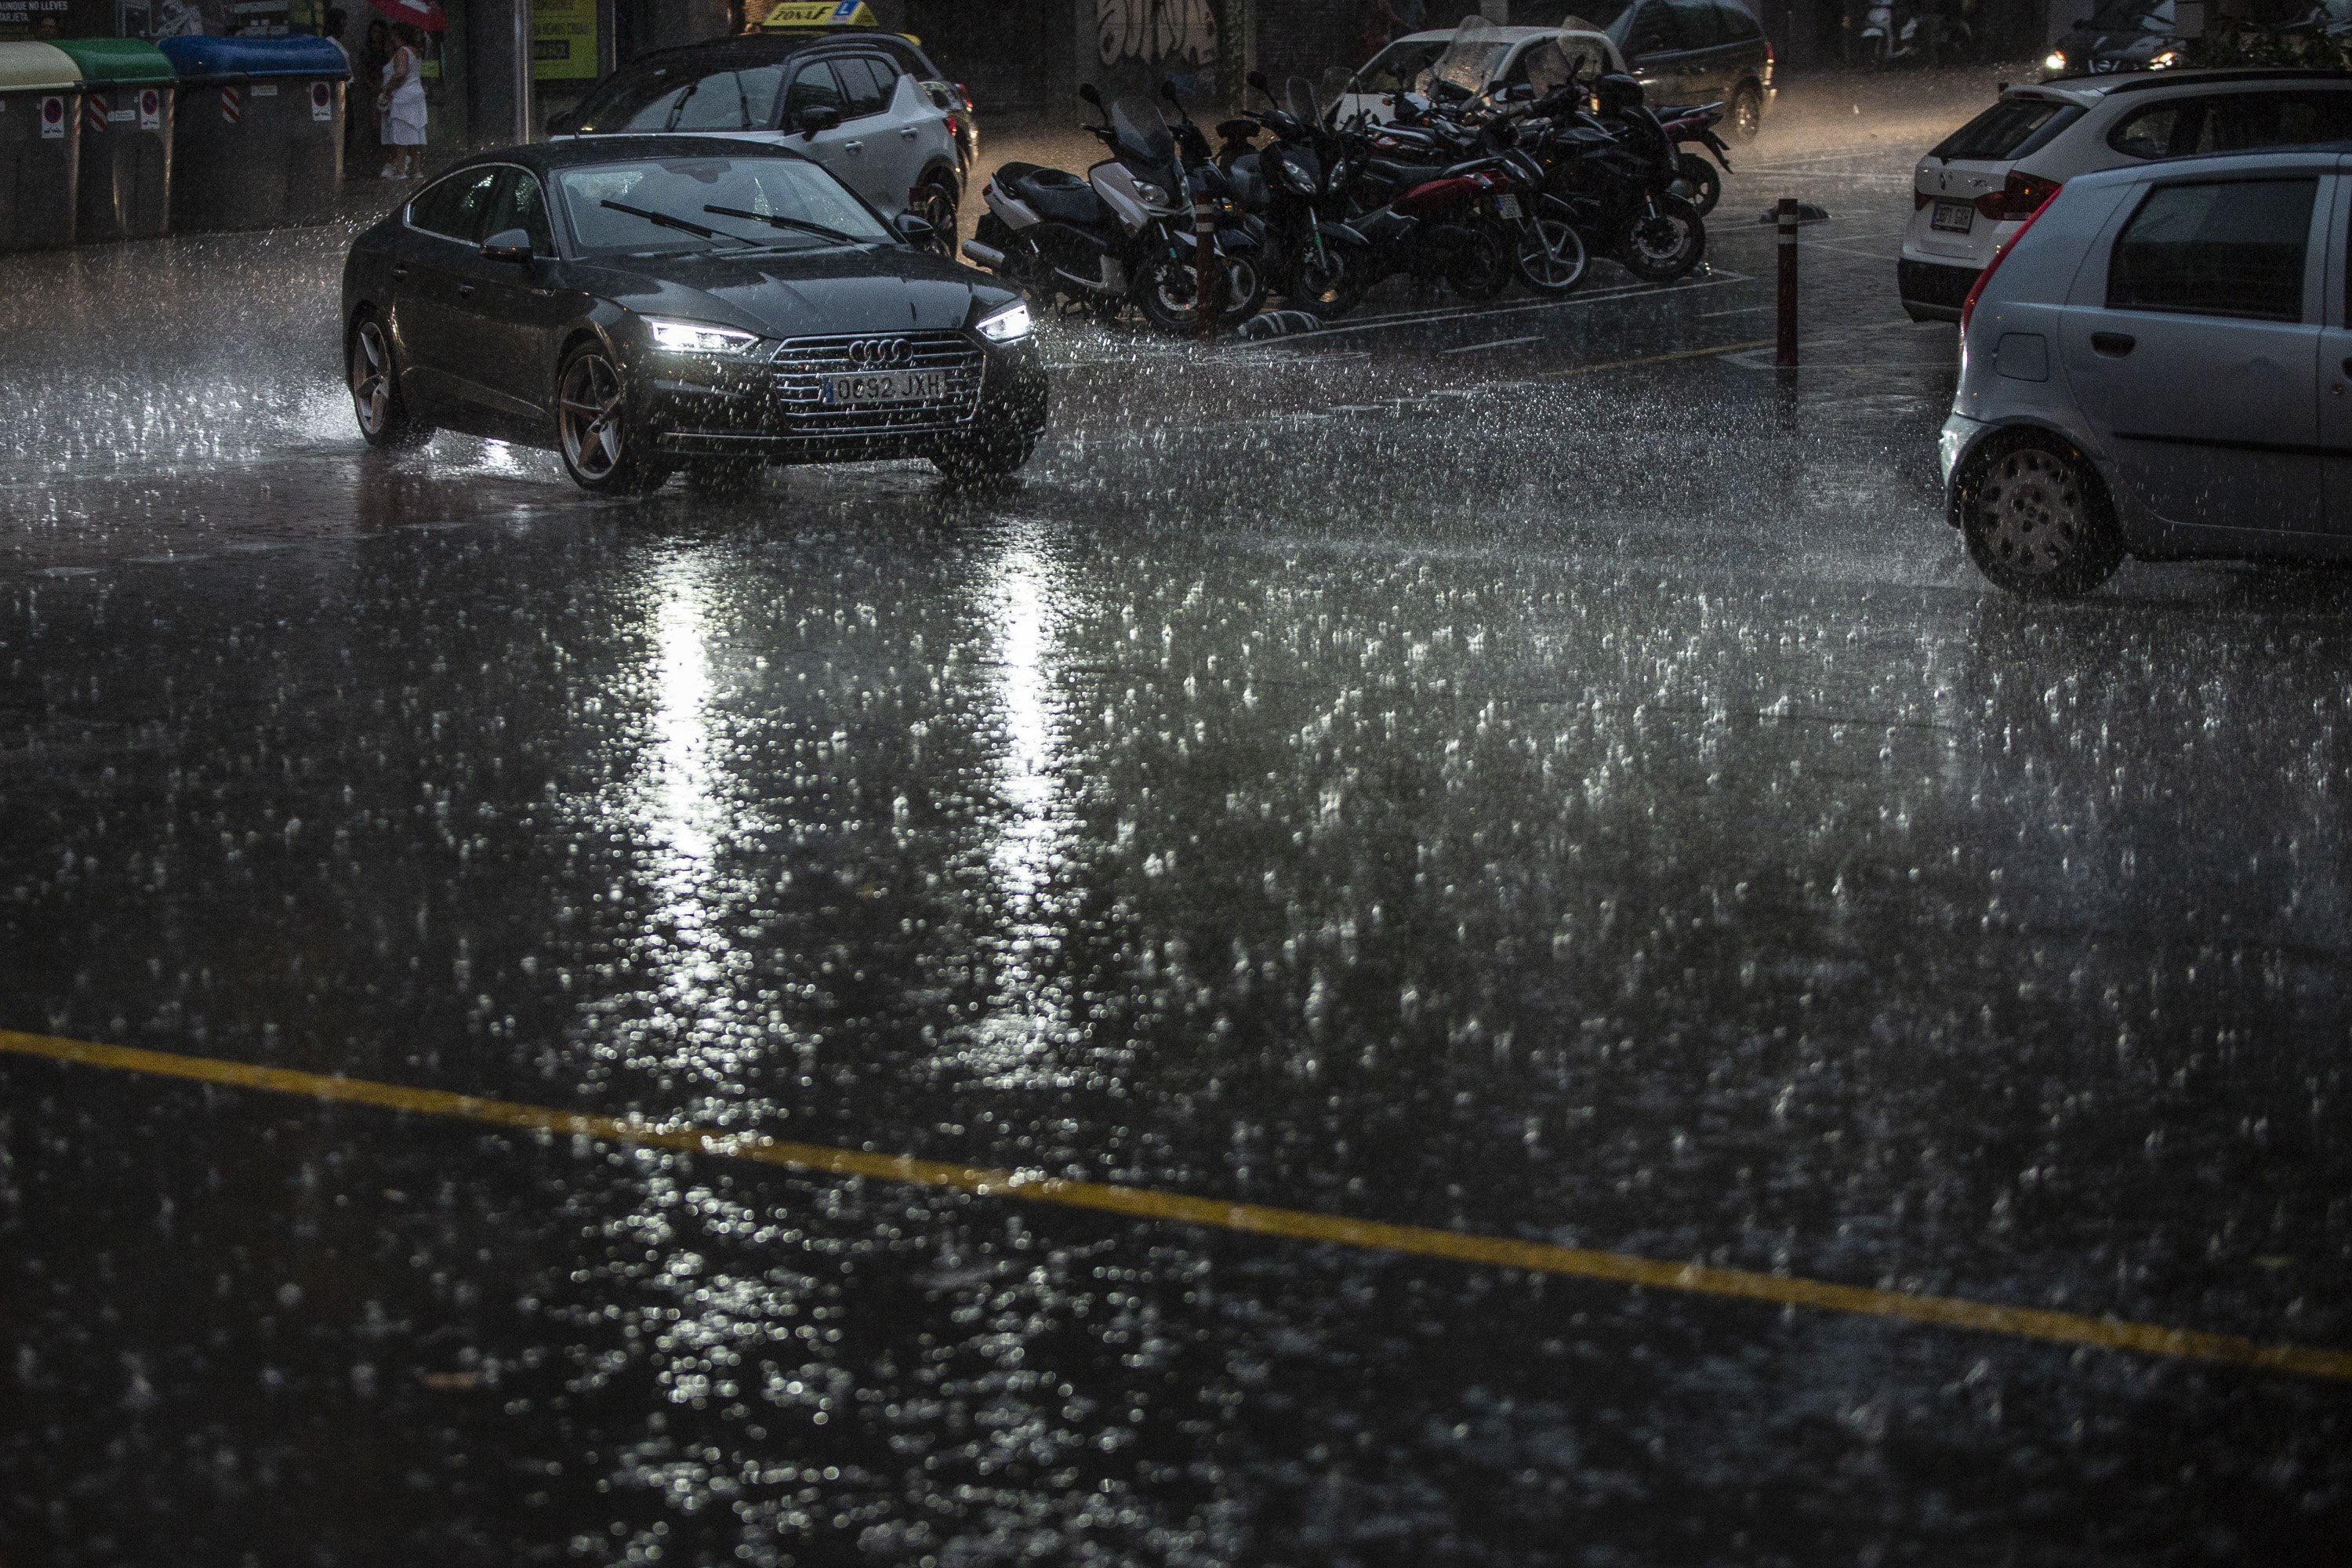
(869, 106)
(1681, 51)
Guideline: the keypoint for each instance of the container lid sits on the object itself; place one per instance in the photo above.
(33, 67)
(117, 60)
(299, 53)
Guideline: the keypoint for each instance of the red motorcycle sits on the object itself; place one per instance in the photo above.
(1698, 184)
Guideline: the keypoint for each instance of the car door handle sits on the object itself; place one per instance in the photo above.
(398, 273)
(907, 132)
(2114, 345)
(852, 146)
(465, 290)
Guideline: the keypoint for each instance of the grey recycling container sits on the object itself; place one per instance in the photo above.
(40, 145)
(125, 174)
(259, 140)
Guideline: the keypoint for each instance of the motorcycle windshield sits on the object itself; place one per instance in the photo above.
(1143, 134)
(1298, 98)
(1470, 61)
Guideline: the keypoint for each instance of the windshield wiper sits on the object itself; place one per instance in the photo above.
(679, 107)
(779, 221)
(701, 230)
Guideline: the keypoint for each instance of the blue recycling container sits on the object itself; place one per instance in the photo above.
(40, 145)
(259, 140)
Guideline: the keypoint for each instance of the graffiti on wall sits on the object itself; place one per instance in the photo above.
(1156, 32)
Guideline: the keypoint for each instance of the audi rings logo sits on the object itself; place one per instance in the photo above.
(881, 353)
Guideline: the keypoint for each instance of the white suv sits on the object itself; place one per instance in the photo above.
(1971, 191)
(2159, 365)
(866, 105)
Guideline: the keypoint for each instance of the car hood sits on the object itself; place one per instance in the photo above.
(787, 294)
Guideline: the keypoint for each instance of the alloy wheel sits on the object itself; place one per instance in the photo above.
(371, 379)
(1551, 255)
(591, 415)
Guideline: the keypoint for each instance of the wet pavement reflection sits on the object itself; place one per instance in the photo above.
(1465, 789)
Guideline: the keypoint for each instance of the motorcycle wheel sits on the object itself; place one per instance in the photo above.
(1245, 289)
(1168, 294)
(1476, 265)
(1662, 240)
(1705, 184)
(1551, 258)
(1326, 285)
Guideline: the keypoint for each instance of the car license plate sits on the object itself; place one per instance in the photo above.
(1508, 206)
(1953, 217)
(886, 386)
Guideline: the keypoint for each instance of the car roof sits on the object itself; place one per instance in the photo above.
(1499, 34)
(2320, 157)
(576, 151)
(2088, 89)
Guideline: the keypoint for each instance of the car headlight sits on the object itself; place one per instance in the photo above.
(2056, 60)
(1009, 325)
(699, 337)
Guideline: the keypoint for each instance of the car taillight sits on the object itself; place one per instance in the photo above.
(2020, 196)
(965, 93)
(954, 129)
(2000, 254)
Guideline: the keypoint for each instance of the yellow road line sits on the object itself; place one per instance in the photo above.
(1654, 359)
(1256, 1220)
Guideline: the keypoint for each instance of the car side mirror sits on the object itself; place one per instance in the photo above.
(563, 122)
(915, 229)
(508, 245)
(1087, 90)
(818, 117)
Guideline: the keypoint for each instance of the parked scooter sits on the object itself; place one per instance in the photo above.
(1319, 266)
(1122, 235)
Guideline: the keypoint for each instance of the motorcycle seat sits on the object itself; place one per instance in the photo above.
(1395, 172)
(1054, 195)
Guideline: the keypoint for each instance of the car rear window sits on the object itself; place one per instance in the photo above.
(2009, 130)
(2232, 122)
(2216, 248)
(686, 95)
(868, 84)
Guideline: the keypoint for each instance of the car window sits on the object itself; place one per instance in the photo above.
(2009, 129)
(1699, 24)
(813, 88)
(865, 84)
(2216, 248)
(455, 207)
(1395, 68)
(596, 200)
(1654, 32)
(2133, 17)
(519, 203)
(2232, 122)
(686, 95)
(1739, 27)
(2160, 130)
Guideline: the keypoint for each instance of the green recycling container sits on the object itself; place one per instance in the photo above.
(127, 90)
(40, 145)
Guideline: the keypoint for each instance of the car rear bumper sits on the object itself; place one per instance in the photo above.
(1933, 290)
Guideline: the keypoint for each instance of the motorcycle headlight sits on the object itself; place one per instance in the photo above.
(699, 337)
(1009, 325)
(2056, 60)
(1152, 195)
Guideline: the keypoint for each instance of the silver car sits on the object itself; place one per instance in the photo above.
(2159, 365)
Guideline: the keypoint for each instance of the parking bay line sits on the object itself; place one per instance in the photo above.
(1254, 1219)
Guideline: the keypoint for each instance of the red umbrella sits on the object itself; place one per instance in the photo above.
(423, 14)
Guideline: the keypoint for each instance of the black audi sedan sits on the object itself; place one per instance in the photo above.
(650, 304)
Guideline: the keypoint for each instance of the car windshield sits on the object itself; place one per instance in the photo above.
(686, 95)
(712, 204)
(2133, 17)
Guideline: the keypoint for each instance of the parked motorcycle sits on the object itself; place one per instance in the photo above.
(1319, 266)
(1700, 184)
(1121, 235)
(1617, 172)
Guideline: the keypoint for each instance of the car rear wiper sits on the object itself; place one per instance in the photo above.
(779, 221)
(666, 221)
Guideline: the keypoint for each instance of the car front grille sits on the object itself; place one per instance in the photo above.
(801, 365)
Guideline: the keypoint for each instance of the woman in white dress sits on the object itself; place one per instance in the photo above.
(401, 103)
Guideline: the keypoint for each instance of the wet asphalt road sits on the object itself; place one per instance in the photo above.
(1463, 769)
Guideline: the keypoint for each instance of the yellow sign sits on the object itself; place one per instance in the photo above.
(564, 40)
(820, 14)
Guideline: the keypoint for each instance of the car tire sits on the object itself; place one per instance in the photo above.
(601, 444)
(936, 206)
(374, 384)
(985, 456)
(2036, 517)
(1747, 115)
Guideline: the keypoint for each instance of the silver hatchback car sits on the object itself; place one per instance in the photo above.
(2159, 365)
